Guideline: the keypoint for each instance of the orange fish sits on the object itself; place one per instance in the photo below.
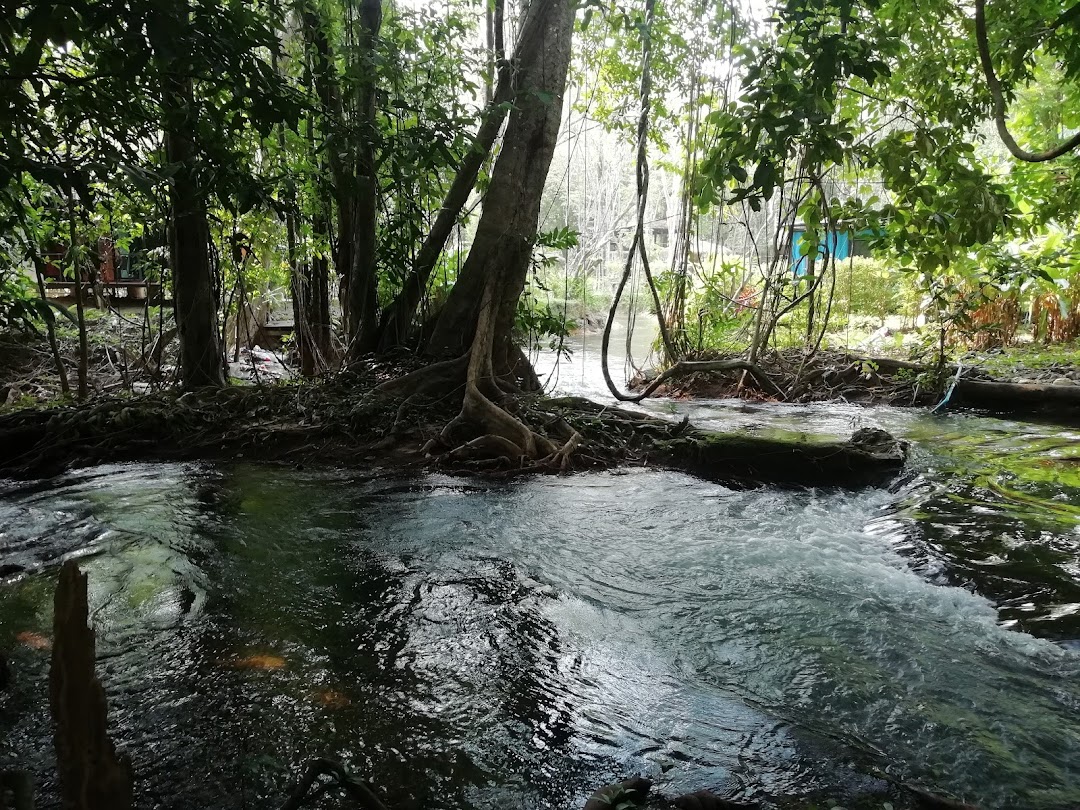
(331, 698)
(34, 641)
(260, 662)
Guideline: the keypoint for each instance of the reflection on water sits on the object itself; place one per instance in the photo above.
(466, 644)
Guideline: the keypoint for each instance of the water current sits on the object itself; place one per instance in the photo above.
(479, 644)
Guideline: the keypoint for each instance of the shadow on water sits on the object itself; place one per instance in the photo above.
(471, 645)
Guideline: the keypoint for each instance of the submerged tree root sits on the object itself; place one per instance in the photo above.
(309, 789)
(636, 793)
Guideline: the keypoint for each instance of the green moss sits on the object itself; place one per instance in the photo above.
(1017, 361)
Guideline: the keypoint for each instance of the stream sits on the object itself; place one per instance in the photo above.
(467, 643)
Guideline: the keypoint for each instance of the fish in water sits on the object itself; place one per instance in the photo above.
(259, 662)
(34, 641)
(331, 698)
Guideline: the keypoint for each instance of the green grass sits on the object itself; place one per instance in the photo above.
(1015, 361)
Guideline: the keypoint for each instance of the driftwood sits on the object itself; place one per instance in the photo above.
(92, 775)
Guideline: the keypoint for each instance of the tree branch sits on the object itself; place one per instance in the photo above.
(998, 95)
(1067, 16)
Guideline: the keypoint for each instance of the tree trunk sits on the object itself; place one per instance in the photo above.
(311, 304)
(397, 318)
(80, 308)
(202, 362)
(352, 168)
(319, 297)
(811, 306)
(50, 320)
(297, 281)
(315, 307)
(507, 229)
(362, 300)
(93, 776)
(202, 358)
(308, 325)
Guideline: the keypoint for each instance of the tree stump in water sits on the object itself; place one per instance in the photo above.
(16, 791)
(92, 775)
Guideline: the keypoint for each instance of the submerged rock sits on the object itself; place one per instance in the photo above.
(878, 443)
(630, 791)
(707, 800)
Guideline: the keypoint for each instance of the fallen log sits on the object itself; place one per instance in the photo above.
(869, 458)
(1016, 396)
(1011, 398)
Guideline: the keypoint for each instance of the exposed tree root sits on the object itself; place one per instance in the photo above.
(438, 378)
(485, 429)
(306, 793)
(470, 424)
(837, 376)
(561, 457)
(686, 367)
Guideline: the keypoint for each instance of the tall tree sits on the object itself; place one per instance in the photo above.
(397, 318)
(475, 326)
(362, 300)
(202, 359)
(507, 230)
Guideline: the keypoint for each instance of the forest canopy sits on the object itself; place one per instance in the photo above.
(395, 170)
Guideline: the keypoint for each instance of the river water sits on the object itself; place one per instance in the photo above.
(475, 644)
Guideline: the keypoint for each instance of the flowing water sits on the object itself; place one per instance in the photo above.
(475, 644)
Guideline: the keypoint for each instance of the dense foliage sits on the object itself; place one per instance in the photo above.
(333, 154)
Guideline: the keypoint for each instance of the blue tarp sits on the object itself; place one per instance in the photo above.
(839, 245)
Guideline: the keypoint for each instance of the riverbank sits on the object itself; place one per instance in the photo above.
(1043, 384)
(352, 421)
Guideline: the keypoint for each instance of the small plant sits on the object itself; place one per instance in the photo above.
(536, 321)
(21, 309)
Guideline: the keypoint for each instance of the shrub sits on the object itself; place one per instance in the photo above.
(20, 307)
